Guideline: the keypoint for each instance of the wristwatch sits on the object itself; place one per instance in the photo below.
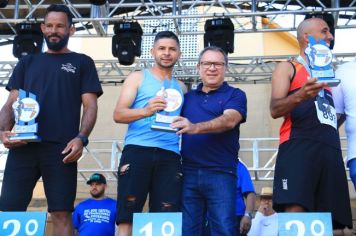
(249, 214)
(84, 139)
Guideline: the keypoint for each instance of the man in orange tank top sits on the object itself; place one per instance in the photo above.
(310, 174)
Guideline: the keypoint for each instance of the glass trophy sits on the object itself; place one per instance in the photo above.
(174, 99)
(319, 57)
(26, 109)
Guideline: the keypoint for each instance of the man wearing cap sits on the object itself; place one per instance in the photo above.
(266, 219)
(97, 214)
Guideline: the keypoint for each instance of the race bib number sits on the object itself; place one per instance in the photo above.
(326, 114)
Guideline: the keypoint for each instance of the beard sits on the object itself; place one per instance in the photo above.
(170, 66)
(98, 194)
(166, 66)
(57, 46)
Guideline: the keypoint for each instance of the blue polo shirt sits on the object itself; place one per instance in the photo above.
(244, 186)
(216, 151)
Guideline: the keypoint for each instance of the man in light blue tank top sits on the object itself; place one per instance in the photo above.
(150, 162)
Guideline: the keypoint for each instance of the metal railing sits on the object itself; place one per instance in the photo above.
(103, 156)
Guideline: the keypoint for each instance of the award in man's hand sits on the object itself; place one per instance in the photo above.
(320, 61)
(174, 101)
(26, 109)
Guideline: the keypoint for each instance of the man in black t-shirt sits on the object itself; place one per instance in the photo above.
(63, 82)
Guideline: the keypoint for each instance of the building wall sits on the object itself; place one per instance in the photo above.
(278, 43)
(259, 121)
(105, 127)
(97, 48)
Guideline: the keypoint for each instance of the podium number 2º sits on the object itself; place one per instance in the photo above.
(167, 229)
(31, 227)
(301, 227)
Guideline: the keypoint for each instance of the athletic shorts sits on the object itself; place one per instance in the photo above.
(312, 174)
(148, 170)
(26, 164)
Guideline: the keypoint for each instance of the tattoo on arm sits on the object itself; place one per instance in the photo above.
(7, 117)
(89, 117)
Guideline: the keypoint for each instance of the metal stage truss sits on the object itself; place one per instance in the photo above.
(186, 18)
(116, 10)
(248, 70)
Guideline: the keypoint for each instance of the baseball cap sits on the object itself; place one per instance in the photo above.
(266, 192)
(96, 177)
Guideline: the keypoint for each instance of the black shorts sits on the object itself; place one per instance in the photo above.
(26, 164)
(148, 170)
(312, 174)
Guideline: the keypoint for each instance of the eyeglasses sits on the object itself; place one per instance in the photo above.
(207, 64)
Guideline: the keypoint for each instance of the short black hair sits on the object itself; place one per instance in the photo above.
(60, 8)
(166, 34)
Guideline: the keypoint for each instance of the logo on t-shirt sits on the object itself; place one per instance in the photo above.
(97, 215)
(285, 184)
(68, 68)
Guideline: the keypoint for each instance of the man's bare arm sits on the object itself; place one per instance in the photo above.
(245, 223)
(6, 112)
(7, 122)
(281, 103)
(74, 148)
(228, 120)
(90, 110)
(123, 112)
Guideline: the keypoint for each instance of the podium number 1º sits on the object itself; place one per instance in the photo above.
(301, 227)
(166, 226)
(31, 227)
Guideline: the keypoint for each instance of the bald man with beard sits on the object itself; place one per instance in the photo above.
(310, 174)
